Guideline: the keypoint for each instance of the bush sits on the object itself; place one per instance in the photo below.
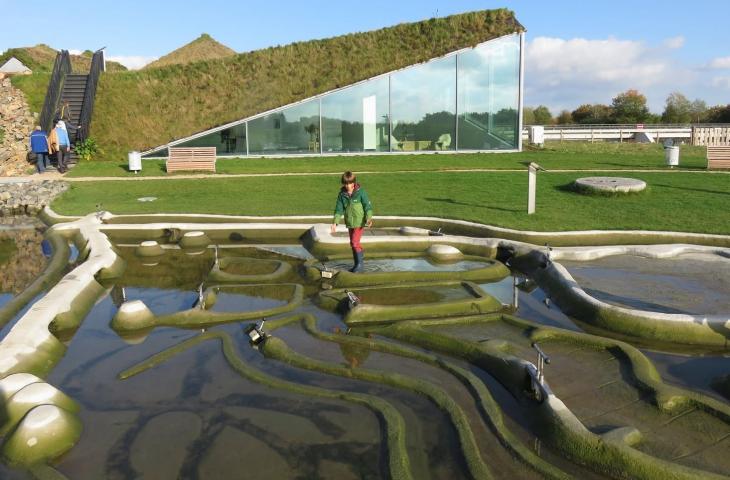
(86, 149)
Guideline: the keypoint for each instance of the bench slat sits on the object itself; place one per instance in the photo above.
(718, 156)
(191, 158)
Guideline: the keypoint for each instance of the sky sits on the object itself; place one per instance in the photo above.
(576, 51)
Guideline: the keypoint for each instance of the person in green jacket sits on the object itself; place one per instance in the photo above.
(353, 203)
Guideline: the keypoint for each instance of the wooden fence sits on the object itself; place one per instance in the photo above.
(712, 136)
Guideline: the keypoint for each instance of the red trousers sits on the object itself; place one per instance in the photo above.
(355, 236)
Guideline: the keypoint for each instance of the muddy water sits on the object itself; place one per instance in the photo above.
(691, 283)
(193, 416)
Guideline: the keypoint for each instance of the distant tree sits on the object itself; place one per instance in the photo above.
(718, 114)
(528, 116)
(677, 109)
(653, 118)
(698, 111)
(630, 107)
(543, 115)
(592, 114)
(565, 118)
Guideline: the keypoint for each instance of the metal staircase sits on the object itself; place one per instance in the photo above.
(74, 88)
(71, 96)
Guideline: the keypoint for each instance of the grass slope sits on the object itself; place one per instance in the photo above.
(41, 57)
(34, 87)
(574, 155)
(142, 109)
(204, 47)
(673, 201)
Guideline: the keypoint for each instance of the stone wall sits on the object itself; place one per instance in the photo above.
(28, 198)
(16, 122)
(27, 260)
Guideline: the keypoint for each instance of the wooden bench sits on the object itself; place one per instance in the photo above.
(191, 158)
(718, 157)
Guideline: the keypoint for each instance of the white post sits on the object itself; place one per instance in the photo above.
(532, 185)
(532, 169)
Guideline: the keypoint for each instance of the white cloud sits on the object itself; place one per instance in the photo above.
(720, 63)
(563, 74)
(73, 51)
(721, 82)
(133, 62)
(674, 42)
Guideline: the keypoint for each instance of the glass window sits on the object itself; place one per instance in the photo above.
(230, 141)
(157, 154)
(356, 119)
(489, 78)
(423, 102)
(291, 130)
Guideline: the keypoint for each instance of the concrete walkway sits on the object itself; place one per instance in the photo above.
(57, 176)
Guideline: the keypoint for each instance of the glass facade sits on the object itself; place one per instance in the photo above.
(229, 141)
(355, 119)
(294, 129)
(423, 106)
(466, 101)
(488, 100)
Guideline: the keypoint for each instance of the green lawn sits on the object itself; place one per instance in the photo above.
(682, 201)
(574, 155)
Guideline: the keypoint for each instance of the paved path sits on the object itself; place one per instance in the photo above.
(58, 176)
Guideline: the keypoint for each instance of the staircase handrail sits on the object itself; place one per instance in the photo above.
(87, 108)
(61, 68)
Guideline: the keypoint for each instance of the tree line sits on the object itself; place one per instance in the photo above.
(630, 107)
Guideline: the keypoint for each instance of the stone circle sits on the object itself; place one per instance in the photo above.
(609, 184)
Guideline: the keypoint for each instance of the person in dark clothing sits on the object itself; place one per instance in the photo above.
(353, 203)
(40, 147)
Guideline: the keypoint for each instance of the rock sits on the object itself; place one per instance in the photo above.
(149, 248)
(134, 315)
(444, 253)
(30, 397)
(45, 433)
(28, 197)
(10, 385)
(194, 240)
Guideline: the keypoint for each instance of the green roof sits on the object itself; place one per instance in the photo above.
(143, 109)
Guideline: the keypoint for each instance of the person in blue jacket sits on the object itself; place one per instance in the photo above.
(39, 146)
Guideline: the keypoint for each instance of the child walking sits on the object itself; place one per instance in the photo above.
(353, 203)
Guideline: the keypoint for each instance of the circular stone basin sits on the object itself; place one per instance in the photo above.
(610, 184)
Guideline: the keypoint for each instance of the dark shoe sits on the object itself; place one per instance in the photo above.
(358, 257)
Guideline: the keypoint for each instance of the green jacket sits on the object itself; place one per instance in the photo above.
(356, 209)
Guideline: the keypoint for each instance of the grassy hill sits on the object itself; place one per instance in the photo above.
(137, 110)
(41, 57)
(202, 48)
(40, 60)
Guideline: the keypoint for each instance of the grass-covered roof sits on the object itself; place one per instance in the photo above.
(40, 59)
(202, 48)
(142, 109)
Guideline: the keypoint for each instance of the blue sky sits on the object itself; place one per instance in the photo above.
(577, 51)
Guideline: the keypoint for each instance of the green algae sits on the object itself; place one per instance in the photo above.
(200, 318)
(398, 459)
(277, 349)
(244, 269)
(491, 412)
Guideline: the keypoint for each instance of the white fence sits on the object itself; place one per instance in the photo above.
(695, 134)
